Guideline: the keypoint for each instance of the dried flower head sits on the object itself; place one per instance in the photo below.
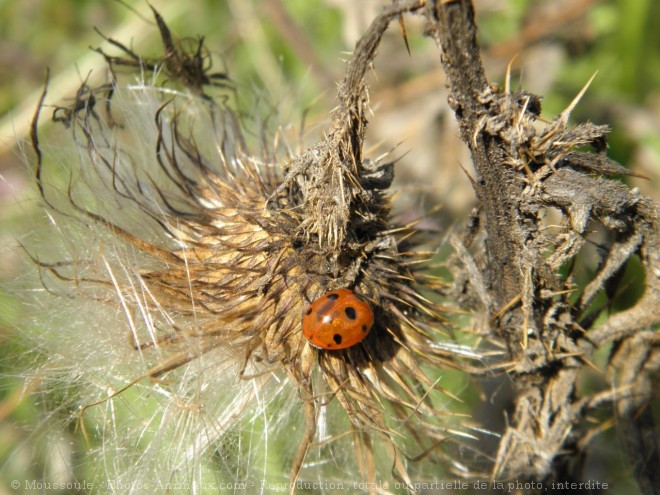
(205, 247)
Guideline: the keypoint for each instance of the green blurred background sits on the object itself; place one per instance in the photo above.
(292, 50)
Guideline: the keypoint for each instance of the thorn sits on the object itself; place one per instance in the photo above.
(403, 31)
(514, 300)
(567, 112)
(507, 77)
(470, 178)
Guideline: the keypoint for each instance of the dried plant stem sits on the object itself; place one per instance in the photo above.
(519, 173)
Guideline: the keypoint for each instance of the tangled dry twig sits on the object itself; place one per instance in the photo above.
(551, 336)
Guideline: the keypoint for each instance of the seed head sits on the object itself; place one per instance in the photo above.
(209, 252)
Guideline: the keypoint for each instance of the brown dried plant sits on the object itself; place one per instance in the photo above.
(522, 278)
(230, 244)
(213, 243)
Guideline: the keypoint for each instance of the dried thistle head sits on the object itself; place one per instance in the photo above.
(210, 253)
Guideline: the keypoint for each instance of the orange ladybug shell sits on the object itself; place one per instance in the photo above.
(337, 320)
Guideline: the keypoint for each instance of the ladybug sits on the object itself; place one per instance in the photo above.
(337, 320)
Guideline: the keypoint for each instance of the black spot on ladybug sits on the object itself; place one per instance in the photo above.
(333, 297)
(309, 311)
(337, 338)
(351, 313)
(364, 328)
